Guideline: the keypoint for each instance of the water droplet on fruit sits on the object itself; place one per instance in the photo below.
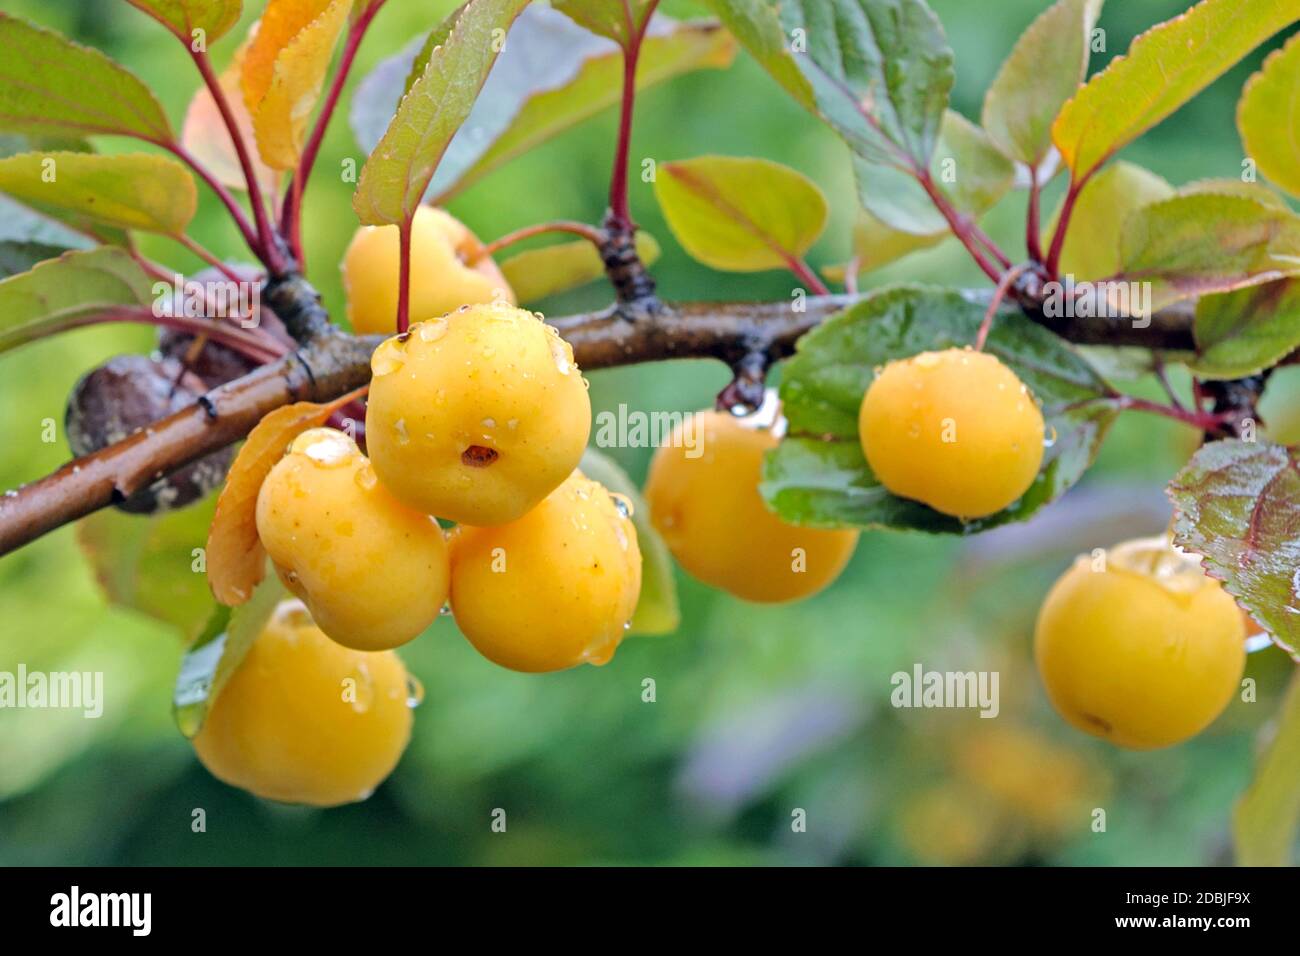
(414, 691)
(365, 477)
(877, 371)
(1050, 438)
(562, 354)
(929, 360)
(512, 424)
(325, 447)
(622, 504)
(627, 625)
(489, 423)
(388, 358)
(432, 330)
(399, 428)
(445, 610)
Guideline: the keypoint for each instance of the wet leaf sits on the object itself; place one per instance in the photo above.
(1165, 67)
(398, 172)
(1238, 506)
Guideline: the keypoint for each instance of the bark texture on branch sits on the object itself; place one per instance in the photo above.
(332, 363)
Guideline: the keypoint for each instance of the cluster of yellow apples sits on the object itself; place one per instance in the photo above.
(477, 416)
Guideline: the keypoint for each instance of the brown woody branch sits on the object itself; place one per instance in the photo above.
(746, 336)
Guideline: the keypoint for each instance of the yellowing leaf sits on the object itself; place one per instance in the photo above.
(1268, 117)
(1193, 245)
(1234, 187)
(206, 137)
(126, 191)
(236, 558)
(282, 21)
(1091, 249)
(1044, 70)
(213, 18)
(281, 120)
(396, 175)
(1165, 67)
(739, 214)
(52, 85)
(537, 273)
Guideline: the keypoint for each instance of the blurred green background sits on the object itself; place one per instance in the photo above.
(760, 711)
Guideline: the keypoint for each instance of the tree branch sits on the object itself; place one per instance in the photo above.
(746, 336)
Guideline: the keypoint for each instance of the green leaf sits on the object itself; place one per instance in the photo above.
(966, 167)
(881, 71)
(1091, 249)
(1165, 67)
(620, 21)
(1238, 506)
(739, 214)
(397, 173)
(123, 191)
(1244, 332)
(878, 71)
(1044, 70)
(656, 610)
(537, 273)
(149, 562)
(876, 245)
(184, 17)
(54, 294)
(218, 652)
(551, 76)
(818, 475)
(1271, 99)
(1266, 818)
(1205, 242)
(52, 85)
